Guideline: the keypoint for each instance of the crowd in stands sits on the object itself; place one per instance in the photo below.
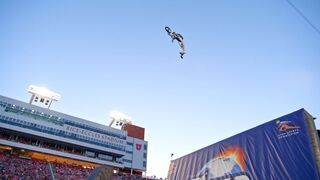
(64, 171)
(13, 167)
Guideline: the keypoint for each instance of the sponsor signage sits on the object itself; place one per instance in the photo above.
(279, 149)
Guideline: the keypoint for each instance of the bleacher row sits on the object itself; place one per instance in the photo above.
(13, 167)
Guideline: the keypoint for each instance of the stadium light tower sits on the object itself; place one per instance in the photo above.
(119, 119)
(42, 96)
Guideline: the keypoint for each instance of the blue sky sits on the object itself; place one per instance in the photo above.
(247, 62)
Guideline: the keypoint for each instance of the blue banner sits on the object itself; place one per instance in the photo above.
(279, 149)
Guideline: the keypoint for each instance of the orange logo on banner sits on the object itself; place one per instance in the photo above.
(285, 125)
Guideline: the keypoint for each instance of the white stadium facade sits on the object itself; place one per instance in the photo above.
(41, 133)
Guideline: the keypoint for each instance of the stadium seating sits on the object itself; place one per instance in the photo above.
(15, 168)
(65, 171)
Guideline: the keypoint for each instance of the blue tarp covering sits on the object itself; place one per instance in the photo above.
(279, 149)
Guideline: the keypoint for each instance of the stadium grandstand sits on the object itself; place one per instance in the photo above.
(39, 143)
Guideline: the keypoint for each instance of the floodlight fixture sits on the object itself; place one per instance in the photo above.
(119, 119)
(42, 95)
